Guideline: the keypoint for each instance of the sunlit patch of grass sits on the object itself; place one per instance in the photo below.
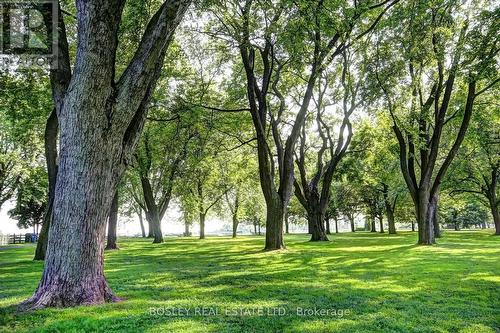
(387, 284)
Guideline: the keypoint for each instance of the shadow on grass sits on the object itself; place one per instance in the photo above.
(387, 282)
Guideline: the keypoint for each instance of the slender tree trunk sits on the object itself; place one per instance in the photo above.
(260, 233)
(287, 223)
(413, 226)
(351, 221)
(389, 210)
(390, 221)
(153, 214)
(336, 225)
(51, 130)
(112, 222)
(435, 215)
(455, 221)
(235, 225)
(327, 225)
(187, 233)
(143, 231)
(381, 223)
(255, 228)
(372, 224)
(202, 225)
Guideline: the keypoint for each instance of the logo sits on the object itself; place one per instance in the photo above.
(28, 33)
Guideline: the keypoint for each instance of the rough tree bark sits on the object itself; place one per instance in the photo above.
(112, 222)
(100, 121)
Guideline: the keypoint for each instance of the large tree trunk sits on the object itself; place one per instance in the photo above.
(315, 217)
(100, 122)
(425, 218)
(202, 225)
(274, 224)
(73, 273)
(318, 228)
(112, 222)
(381, 223)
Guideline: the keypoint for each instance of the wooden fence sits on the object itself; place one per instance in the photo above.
(17, 239)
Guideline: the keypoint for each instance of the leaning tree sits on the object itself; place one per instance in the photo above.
(100, 116)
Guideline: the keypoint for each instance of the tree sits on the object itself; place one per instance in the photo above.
(456, 55)
(31, 200)
(477, 170)
(23, 106)
(314, 193)
(261, 31)
(100, 120)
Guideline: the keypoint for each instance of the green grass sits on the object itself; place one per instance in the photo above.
(387, 283)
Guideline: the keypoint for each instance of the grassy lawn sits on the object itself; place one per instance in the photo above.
(369, 282)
